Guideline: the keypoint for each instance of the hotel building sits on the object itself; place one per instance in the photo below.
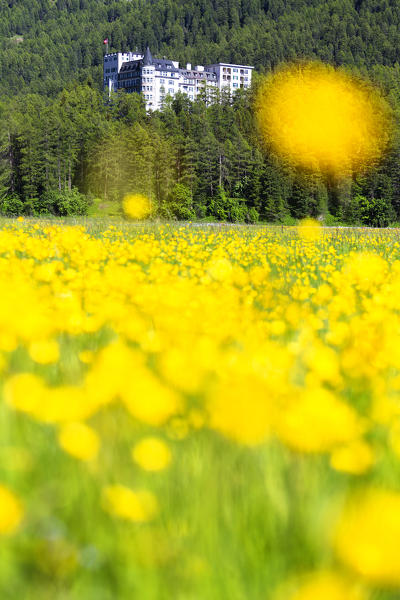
(156, 78)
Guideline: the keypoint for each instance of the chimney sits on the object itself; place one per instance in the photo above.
(188, 66)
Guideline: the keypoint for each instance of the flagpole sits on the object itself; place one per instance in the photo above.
(105, 42)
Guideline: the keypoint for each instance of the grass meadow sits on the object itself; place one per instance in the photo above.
(194, 412)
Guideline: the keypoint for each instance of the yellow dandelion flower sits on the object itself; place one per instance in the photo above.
(220, 269)
(122, 502)
(24, 392)
(44, 351)
(79, 440)
(148, 400)
(152, 454)
(309, 230)
(241, 409)
(356, 457)
(11, 511)
(322, 119)
(317, 421)
(367, 536)
(137, 206)
(86, 356)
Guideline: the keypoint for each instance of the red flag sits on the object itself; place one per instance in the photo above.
(105, 41)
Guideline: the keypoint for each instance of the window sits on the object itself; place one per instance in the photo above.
(246, 71)
(235, 70)
(235, 77)
(235, 85)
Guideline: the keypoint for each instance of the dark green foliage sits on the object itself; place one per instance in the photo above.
(46, 44)
(64, 204)
(375, 212)
(68, 202)
(11, 206)
(61, 138)
(179, 203)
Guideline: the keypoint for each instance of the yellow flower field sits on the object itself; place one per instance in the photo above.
(196, 413)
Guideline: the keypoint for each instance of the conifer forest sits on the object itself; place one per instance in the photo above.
(64, 145)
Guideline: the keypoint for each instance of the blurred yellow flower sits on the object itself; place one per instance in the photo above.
(356, 457)
(220, 268)
(137, 206)
(394, 436)
(148, 400)
(323, 585)
(322, 119)
(317, 421)
(309, 230)
(121, 501)
(24, 392)
(44, 351)
(242, 410)
(367, 536)
(79, 440)
(152, 454)
(86, 356)
(365, 270)
(11, 511)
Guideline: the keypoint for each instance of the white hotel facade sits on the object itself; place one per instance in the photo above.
(156, 78)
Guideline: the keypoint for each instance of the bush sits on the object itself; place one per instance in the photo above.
(330, 220)
(288, 221)
(237, 210)
(39, 206)
(228, 209)
(11, 206)
(66, 203)
(179, 205)
(375, 212)
(217, 205)
(252, 215)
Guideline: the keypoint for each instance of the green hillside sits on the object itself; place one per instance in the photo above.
(45, 44)
(57, 133)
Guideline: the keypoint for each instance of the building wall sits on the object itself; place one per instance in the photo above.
(156, 83)
(232, 77)
(112, 65)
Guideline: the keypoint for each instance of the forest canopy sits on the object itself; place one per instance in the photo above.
(60, 139)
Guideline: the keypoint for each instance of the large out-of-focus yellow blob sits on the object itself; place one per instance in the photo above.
(323, 119)
(137, 206)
